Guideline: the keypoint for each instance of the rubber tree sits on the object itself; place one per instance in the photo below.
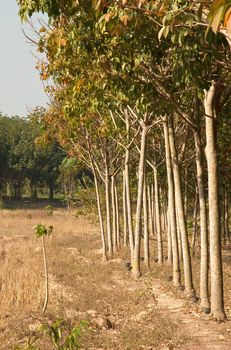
(211, 107)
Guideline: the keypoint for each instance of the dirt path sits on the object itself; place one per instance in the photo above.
(199, 331)
(203, 333)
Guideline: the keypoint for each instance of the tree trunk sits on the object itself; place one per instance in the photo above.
(153, 209)
(46, 276)
(146, 230)
(178, 235)
(129, 204)
(222, 216)
(217, 297)
(180, 211)
(194, 230)
(51, 192)
(171, 208)
(227, 234)
(114, 235)
(158, 222)
(136, 261)
(169, 238)
(117, 217)
(125, 214)
(150, 214)
(186, 193)
(204, 267)
(99, 208)
(108, 210)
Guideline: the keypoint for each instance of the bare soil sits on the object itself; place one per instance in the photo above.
(123, 313)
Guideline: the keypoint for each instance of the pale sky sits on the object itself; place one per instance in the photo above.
(20, 86)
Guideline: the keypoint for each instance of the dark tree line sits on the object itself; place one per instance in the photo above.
(29, 164)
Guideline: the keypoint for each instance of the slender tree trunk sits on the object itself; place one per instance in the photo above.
(104, 254)
(227, 234)
(158, 222)
(146, 229)
(129, 204)
(117, 216)
(153, 209)
(194, 232)
(125, 214)
(114, 236)
(186, 193)
(150, 214)
(164, 216)
(108, 210)
(180, 210)
(204, 267)
(171, 208)
(217, 297)
(169, 238)
(51, 192)
(46, 276)
(99, 208)
(136, 261)
(179, 235)
(222, 216)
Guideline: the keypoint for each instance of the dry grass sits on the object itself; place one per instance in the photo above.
(79, 282)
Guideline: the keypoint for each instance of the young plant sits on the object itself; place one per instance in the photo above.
(42, 231)
(49, 209)
(55, 332)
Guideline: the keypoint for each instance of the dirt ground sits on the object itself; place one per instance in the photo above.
(122, 313)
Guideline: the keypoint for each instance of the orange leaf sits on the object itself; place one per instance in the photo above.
(125, 19)
(228, 25)
(62, 42)
(227, 16)
(216, 20)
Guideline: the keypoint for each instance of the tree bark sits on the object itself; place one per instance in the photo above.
(217, 297)
(146, 228)
(204, 262)
(46, 276)
(150, 214)
(227, 233)
(169, 238)
(125, 214)
(171, 207)
(114, 235)
(158, 220)
(189, 289)
(136, 260)
(102, 233)
(129, 204)
(108, 209)
(117, 216)
(194, 231)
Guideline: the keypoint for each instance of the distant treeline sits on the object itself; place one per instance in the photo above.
(29, 167)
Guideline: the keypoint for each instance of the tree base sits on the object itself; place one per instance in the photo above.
(181, 288)
(136, 273)
(194, 299)
(191, 293)
(219, 316)
(205, 305)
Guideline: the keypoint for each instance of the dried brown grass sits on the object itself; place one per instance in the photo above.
(79, 282)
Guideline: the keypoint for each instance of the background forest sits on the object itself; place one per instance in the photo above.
(33, 169)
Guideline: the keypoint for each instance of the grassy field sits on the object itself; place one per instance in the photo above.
(122, 313)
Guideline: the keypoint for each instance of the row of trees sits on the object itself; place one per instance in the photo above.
(29, 164)
(142, 95)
